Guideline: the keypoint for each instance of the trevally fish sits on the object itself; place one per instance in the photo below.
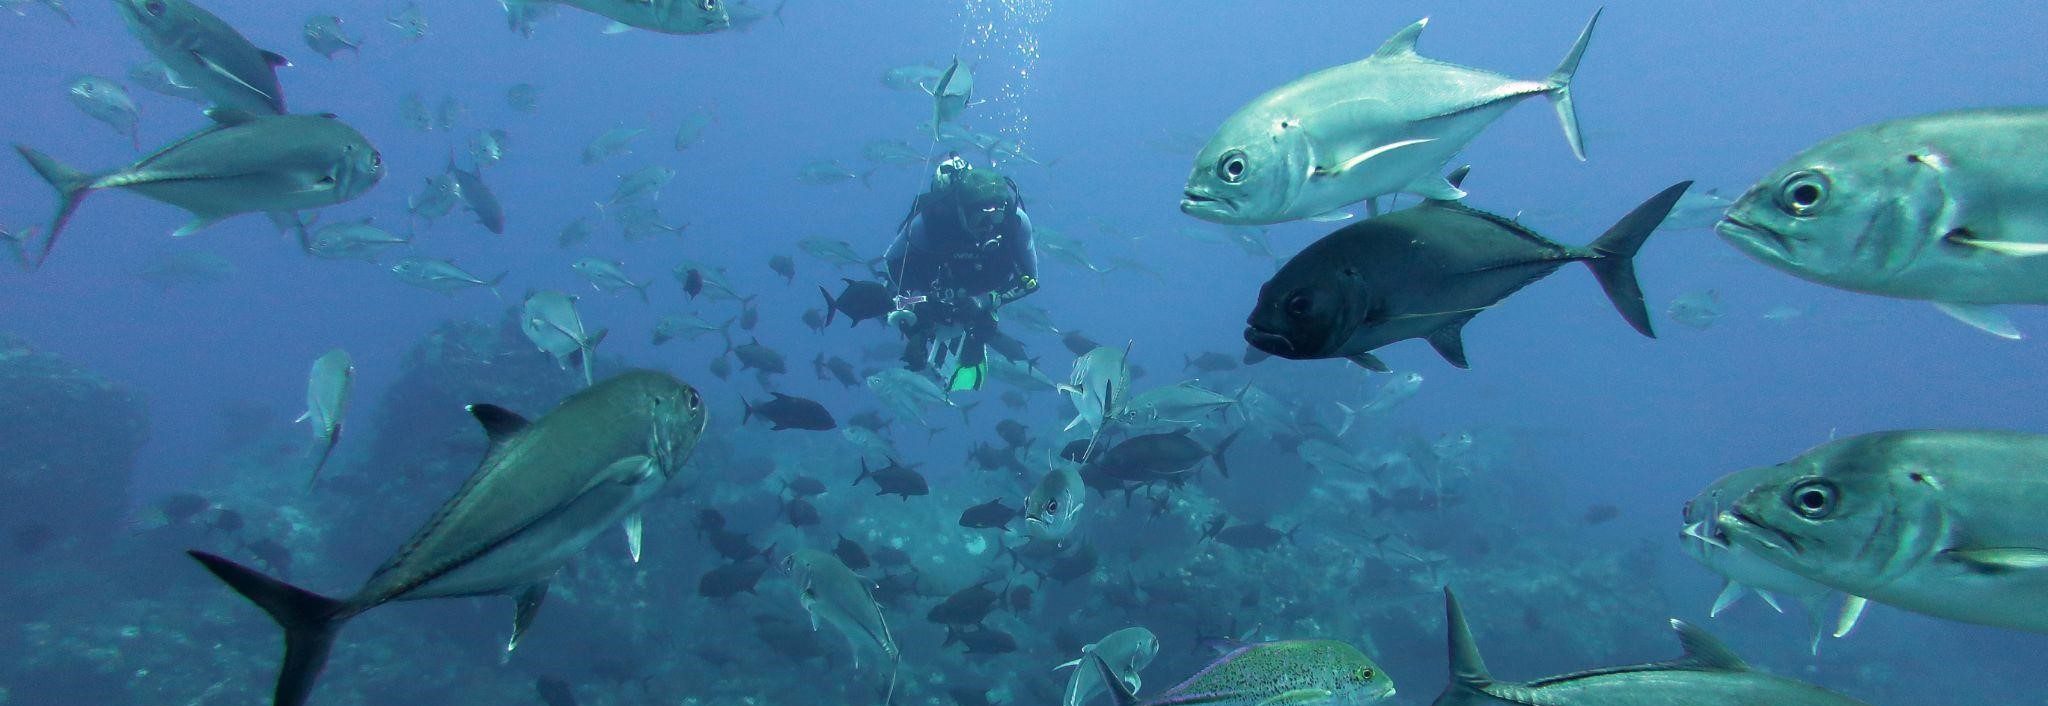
(1424, 272)
(1384, 124)
(1940, 522)
(1943, 208)
(691, 128)
(951, 94)
(157, 77)
(442, 276)
(1393, 392)
(550, 321)
(487, 147)
(833, 595)
(410, 21)
(352, 240)
(243, 163)
(1126, 651)
(477, 197)
(1708, 673)
(324, 34)
(614, 142)
(838, 253)
(688, 327)
(1748, 571)
(327, 391)
(437, 196)
(907, 393)
(912, 77)
(825, 172)
(1183, 404)
(664, 16)
(106, 101)
(1100, 383)
(1698, 310)
(609, 277)
(1053, 507)
(1697, 210)
(206, 53)
(1297, 672)
(543, 492)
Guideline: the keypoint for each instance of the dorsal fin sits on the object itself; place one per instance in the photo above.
(499, 423)
(1468, 669)
(1703, 651)
(1402, 44)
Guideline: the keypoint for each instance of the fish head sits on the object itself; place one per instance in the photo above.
(677, 414)
(154, 17)
(1053, 508)
(1704, 539)
(1309, 309)
(357, 166)
(1250, 172)
(697, 16)
(1851, 514)
(1843, 214)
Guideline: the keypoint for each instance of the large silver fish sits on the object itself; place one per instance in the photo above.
(550, 321)
(833, 595)
(544, 490)
(1099, 385)
(243, 163)
(1945, 523)
(1053, 507)
(1708, 673)
(1384, 124)
(951, 94)
(327, 392)
(1949, 208)
(1126, 652)
(664, 16)
(1750, 572)
(107, 102)
(208, 54)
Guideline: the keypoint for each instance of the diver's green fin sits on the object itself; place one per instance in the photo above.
(2001, 559)
(1982, 317)
(968, 378)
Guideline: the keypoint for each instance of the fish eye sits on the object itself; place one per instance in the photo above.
(708, 5)
(690, 398)
(155, 8)
(376, 160)
(1803, 193)
(1298, 304)
(1365, 673)
(1231, 167)
(1813, 499)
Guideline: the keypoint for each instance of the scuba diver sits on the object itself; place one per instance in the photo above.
(963, 251)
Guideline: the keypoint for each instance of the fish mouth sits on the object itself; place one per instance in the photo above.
(1192, 201)
(1757, 240)
(1735, 524)
(1271, 343)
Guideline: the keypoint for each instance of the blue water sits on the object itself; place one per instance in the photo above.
(1579, 408)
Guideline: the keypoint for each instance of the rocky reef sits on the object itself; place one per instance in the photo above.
(68, 438)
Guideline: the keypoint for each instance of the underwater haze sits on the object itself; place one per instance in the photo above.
(151, 382)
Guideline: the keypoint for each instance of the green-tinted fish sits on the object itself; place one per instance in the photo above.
(352, 240)
(1053, 507)
(640, 185)
(824, 172)
(324, 34)
(913, 77)
(1293, 672)
(951, 94)
(327, 390)
(836, 252)
(488, 147)
(1184, 404)
(906, 393)
(550, 321)
(692, 128)
(436, 198)
(1945, 208)
(244, 163)
(614, 142)
(157, 77)
(574, 232)
(1945, 523)
(477, 196)
(410, 21)
(1384, 124)
(1708, 673)
(687, 327)
(891, 152)
(1099, 386)
(1750, 571)
(607, 276)
(107, 102)
(203, 52)
(544, 490)
(664, 16)
(442, 276)
(1126, 651)
(833, 595)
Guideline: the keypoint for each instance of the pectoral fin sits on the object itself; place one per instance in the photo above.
(527, 604)
(1730, 595)
(1852, 610)
(632, 526)
(1363, 157)
(617, 28)
(198, 223)
(1770, 600)
(1369, 362)
(630, 470)
(1434, 188)
(2001, 246)
(2002, 559)
(1331, 217)
(1982, 317)
(216, 68)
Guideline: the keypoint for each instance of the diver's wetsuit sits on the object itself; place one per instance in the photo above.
(964, 278)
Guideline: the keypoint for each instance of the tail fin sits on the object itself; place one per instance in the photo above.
(1469, 679)
(831, 307)
(492, 284)
(71, 185)
(310, 622)
(325, 452)
(1221, 467)
(1561, 93)
(1613, 261)
(642, 289)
